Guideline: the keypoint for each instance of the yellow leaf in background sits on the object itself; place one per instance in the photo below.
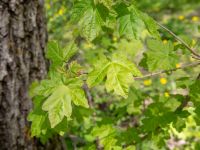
(114, 39)
(166, 94)
(178, 65)
(194, 42)
(61, 11)
(48, 6)
(181, 17)
(195, 18)
(163, 81)
(88, 45)
(147, 82)
(175, 43)
(165, 41)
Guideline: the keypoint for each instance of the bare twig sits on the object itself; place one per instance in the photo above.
(180, 40)
(64, 145)
(195, 57)
(165, 71)
(183, 104)
(88, 94)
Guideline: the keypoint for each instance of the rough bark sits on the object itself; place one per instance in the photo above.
(22, 43)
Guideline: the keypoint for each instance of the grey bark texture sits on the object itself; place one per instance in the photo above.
(22, 43)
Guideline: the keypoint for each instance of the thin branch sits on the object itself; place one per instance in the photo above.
(63, 143)
(198, 78)
(195, 57)
(165, 71)
(179, 39)
(183, 104)
(88, 95)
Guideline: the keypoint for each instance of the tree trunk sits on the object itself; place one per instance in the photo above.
(22, 43)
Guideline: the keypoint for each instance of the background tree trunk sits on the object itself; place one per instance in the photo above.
(22, 43)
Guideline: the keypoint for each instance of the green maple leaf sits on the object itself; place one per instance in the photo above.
(160, 55)
(134, 101)
(78, 97)
(77, 93)
(150, 25)
(106, 134)
(91, 24)
(46, 87)
(119, 72)
(103, 131)
(118, 80)
(99, 73)
(123, 62)
(132, 22)
(90, 17)
(60, 55)
(38, 117)
(79, 9)
(40, 126)
(129, 48)
(150, 124)
(58, 105)
(120, 75)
